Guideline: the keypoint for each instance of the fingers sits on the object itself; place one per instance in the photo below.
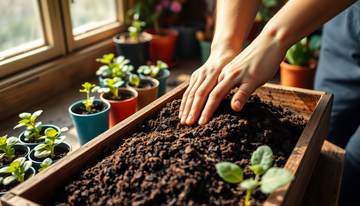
(186, 94)
(242, 95)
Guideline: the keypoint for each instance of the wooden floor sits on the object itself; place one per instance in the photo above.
(55, 111)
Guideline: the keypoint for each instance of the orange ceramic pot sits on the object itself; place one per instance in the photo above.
(297, 76)
(162, 46)
(121, 109)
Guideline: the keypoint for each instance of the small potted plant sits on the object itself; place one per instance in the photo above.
(261, 161)
(45, 164)
(34, 130)
(90, 116)
(159, 72)
(14, 174)
(11, 150)
(114, 67)
(54, 147)
(122, 100)
(299, 65)
(133, 45)
(147, 89)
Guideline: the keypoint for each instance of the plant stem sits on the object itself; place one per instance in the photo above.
(52, 154)
(247, 198)
(21, 178)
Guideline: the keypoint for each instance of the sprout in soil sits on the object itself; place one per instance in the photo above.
(33, 128)
(51, 140)
(115, 67)
(45, 164)
(134, 80)
(152, 70)
(261, 161)
(17, 169)
(89, 102)
(6, 145)
(112, 86)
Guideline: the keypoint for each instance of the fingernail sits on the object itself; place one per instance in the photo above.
(202, 120)
(180, 113)
(238, 105)
(183, 119)
(189, 119)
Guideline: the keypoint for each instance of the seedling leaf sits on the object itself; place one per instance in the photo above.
(275, 177)
(230, 172)
(261, 159)
(249, 184)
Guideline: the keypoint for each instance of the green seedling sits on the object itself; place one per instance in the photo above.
(301, 53)
(135, 27)
(261, 161)
(17, 169)
(112, 86)
(134, 79)
(6, 145)
(152, 70)
(89, 102)
(45, 164)
(33, 128)
(115, 67)
(51, 140)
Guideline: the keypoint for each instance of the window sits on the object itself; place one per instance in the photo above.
(35, 31)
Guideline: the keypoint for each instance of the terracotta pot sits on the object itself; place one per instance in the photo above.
(146, 95)
(297, 76)
(121, 109)
(162, 46)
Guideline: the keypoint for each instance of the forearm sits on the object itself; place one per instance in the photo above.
(298, 18)
(234, 19)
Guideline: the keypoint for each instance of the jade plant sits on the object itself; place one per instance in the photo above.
(45, 164)
(261, 161)
(6, 145)
(17, 169)
(89, 101)
(134, 80)
(300, 53)
(112, 86)
(115, 66)
(152, 70)
(51, 141)
(33, 128)
(135, 27)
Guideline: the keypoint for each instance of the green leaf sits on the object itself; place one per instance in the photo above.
(275, 177)
(64, 129)
(47, 161)
(134, 79)
(26, 166)
(11, 141)
(315, 42)
(24, 121)
(42, 153)
(14, 165)
(162, 65)
(261, 159)
(230, 172)
(25, 115)
(5, 170)
(11, 153)
(35, 115)
(3, 140)
(50, 132)
(2, 155)
(154, 71)
(1, 179)
(249, 184)
(59, 140)
(38, 127)
(9, 179)
(20, 125)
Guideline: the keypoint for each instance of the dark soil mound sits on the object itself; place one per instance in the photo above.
(167, 163)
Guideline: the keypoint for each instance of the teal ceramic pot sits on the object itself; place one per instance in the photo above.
(21, 147)
(205, 50)
(91, 125)
(27, 174)
(164, 75)
(63, 147)
(32, 145)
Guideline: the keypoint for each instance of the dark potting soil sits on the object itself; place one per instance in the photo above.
(143, 85)
(5, 188)
(98, 107)
(167, 163)
(59, 152)
(18, 153)
(123, 96)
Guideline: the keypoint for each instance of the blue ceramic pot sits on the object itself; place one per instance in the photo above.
(64, 146)
(20, 146)
(164, 75)
(205, 47)
(91, 125)
(32, 145)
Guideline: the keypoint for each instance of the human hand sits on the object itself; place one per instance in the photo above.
(252, 68)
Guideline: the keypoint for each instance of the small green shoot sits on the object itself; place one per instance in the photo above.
(89, 102)
(6, 145)
(152, 70)
(33, 128)
(116, 67)
(301, 53)
(112, 86)
(17, 169)
(261, 161)
(45, 164)
(134, 80)
(135, 27)
(51, 140)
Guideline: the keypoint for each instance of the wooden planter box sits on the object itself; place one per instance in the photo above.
(313, 104)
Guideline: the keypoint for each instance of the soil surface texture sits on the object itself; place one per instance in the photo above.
(18, 153)
(59, 152)
(167, 163)
(98, 107)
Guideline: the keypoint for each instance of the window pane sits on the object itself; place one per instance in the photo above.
(20, 27)
(90, 14)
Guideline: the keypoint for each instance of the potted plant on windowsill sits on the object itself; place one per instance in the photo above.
(147, 89)
(90, 116)
(114, 67)
(11, 150)
(299, 65)
(122, 100)
(159, 72)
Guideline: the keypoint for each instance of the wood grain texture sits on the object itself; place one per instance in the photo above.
(324, 185)
(301, 162)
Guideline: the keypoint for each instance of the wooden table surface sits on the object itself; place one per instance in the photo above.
(324, 185)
